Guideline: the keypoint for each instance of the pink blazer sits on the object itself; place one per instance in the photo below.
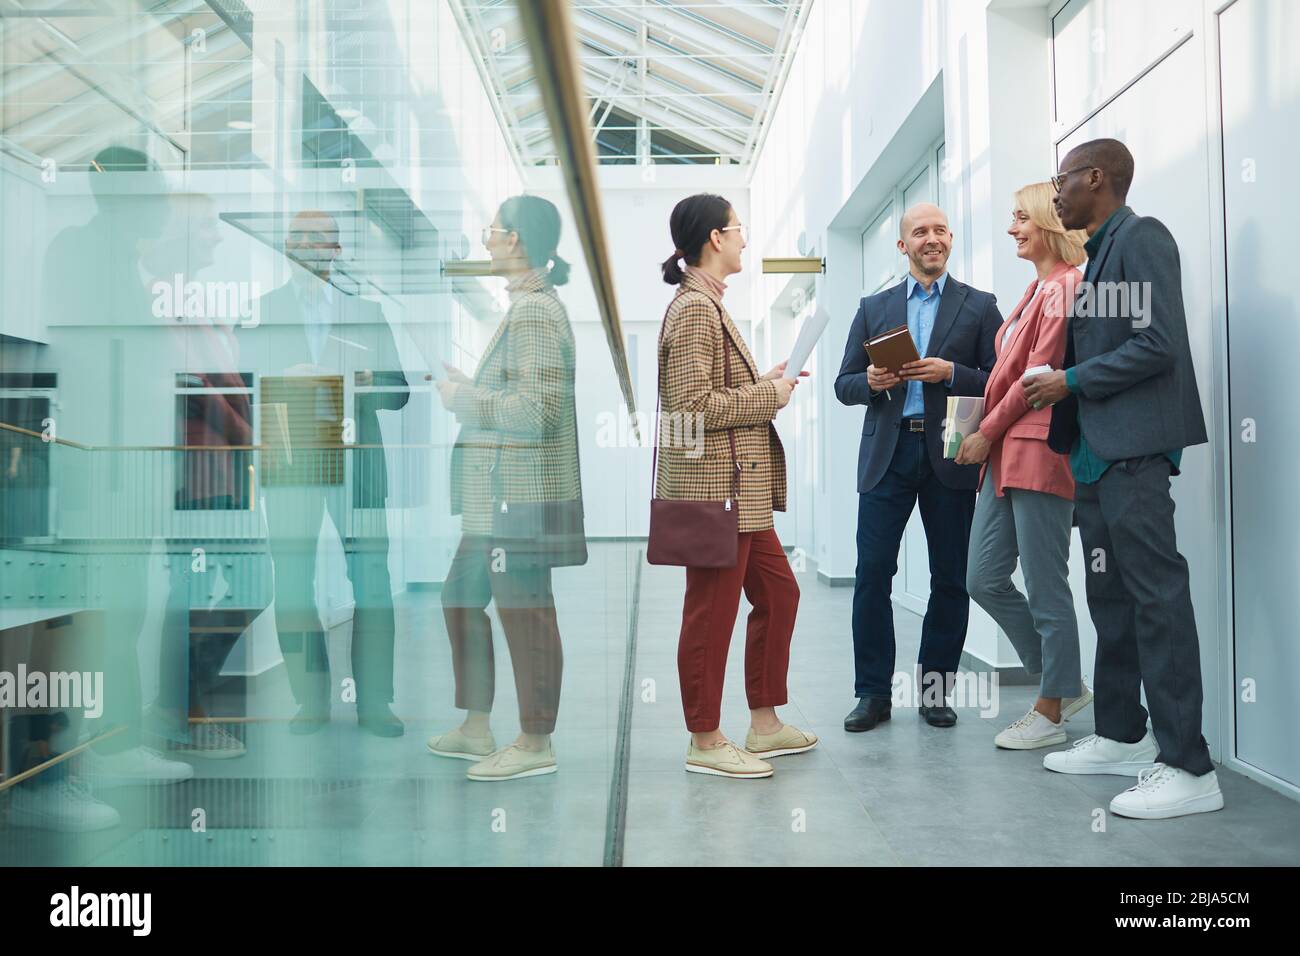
(1019, 455)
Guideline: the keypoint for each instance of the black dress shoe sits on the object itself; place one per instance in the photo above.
(869, 712)
(309, 720)
(939, 716)
(380, 721)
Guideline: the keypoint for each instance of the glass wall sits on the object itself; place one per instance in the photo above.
(295, 568)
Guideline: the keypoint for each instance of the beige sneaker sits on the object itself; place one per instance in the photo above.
(725, 760)
(513, 762)
(1031, 732)
(1072, 705)
(456, 744)
(787, 740)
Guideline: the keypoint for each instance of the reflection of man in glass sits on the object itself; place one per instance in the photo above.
(516, 484)
(213, 411)
(98, 305)
(320, 336)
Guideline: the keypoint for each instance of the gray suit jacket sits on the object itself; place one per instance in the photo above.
(963, 333)
(1137, 388)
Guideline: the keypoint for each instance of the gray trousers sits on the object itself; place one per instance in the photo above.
(1035, 527)
(1141, 602)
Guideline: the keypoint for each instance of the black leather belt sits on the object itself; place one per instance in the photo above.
(912, 424)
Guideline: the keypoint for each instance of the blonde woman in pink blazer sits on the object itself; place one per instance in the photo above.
(1026, 499)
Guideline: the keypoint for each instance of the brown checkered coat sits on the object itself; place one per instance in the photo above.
(518, 440)
(692, 381)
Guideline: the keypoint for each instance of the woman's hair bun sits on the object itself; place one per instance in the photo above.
(671, 268)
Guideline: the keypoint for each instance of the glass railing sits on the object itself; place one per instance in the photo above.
(311, 550)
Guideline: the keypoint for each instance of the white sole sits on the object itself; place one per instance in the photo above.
(1031, 744)
(535, 772)
(765, 754)
(113, 783)
(1205, 803)
(1125, 768)
(39, 823)
(458, 755)
(211, 754)
(697, 768)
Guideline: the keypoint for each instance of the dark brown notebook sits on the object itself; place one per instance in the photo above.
(892, 350)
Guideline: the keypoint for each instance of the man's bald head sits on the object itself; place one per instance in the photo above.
(923, 211)
(313, 221)
(312, 241)
(924, 237)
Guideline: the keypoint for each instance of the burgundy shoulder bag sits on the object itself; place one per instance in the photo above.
(692, 533)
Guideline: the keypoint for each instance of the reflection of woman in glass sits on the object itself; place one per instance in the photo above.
(515, 482)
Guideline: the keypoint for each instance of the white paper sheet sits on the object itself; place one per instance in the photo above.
(812, 330)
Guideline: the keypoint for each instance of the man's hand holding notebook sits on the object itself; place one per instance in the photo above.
(889, 352)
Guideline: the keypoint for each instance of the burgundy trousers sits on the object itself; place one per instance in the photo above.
(712, 600)
(526, 607)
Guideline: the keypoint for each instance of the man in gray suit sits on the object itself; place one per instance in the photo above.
(318, 335)
(1126, 406)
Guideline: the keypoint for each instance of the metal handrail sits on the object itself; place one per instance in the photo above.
(548, 28)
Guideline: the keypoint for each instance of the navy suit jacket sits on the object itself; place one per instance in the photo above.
(964, 331)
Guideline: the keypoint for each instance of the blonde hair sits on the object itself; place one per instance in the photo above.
(1035, 200)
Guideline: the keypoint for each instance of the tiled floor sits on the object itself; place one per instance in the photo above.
(904, 793)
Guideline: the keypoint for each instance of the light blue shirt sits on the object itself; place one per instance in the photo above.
(317, 301)
(922, 309)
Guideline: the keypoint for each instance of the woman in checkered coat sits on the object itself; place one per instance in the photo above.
(514, 467)
(697, 344)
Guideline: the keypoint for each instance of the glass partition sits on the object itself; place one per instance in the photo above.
(313, 550)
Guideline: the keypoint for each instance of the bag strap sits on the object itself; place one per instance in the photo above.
(731, 432)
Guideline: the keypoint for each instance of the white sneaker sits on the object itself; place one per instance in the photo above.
(1164, 791)
(211, 741)
(139, 765)
(66, 806)
(1097, 754)
(1072, 705)
(1030, 732)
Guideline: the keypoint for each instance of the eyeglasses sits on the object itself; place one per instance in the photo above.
(486, 235)
(744, 231)
(1059, 179)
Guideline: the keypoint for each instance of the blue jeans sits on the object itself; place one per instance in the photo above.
(882, 517)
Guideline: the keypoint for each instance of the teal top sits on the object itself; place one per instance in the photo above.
(1086, 464)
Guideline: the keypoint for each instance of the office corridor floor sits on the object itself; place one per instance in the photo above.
(902, 794)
